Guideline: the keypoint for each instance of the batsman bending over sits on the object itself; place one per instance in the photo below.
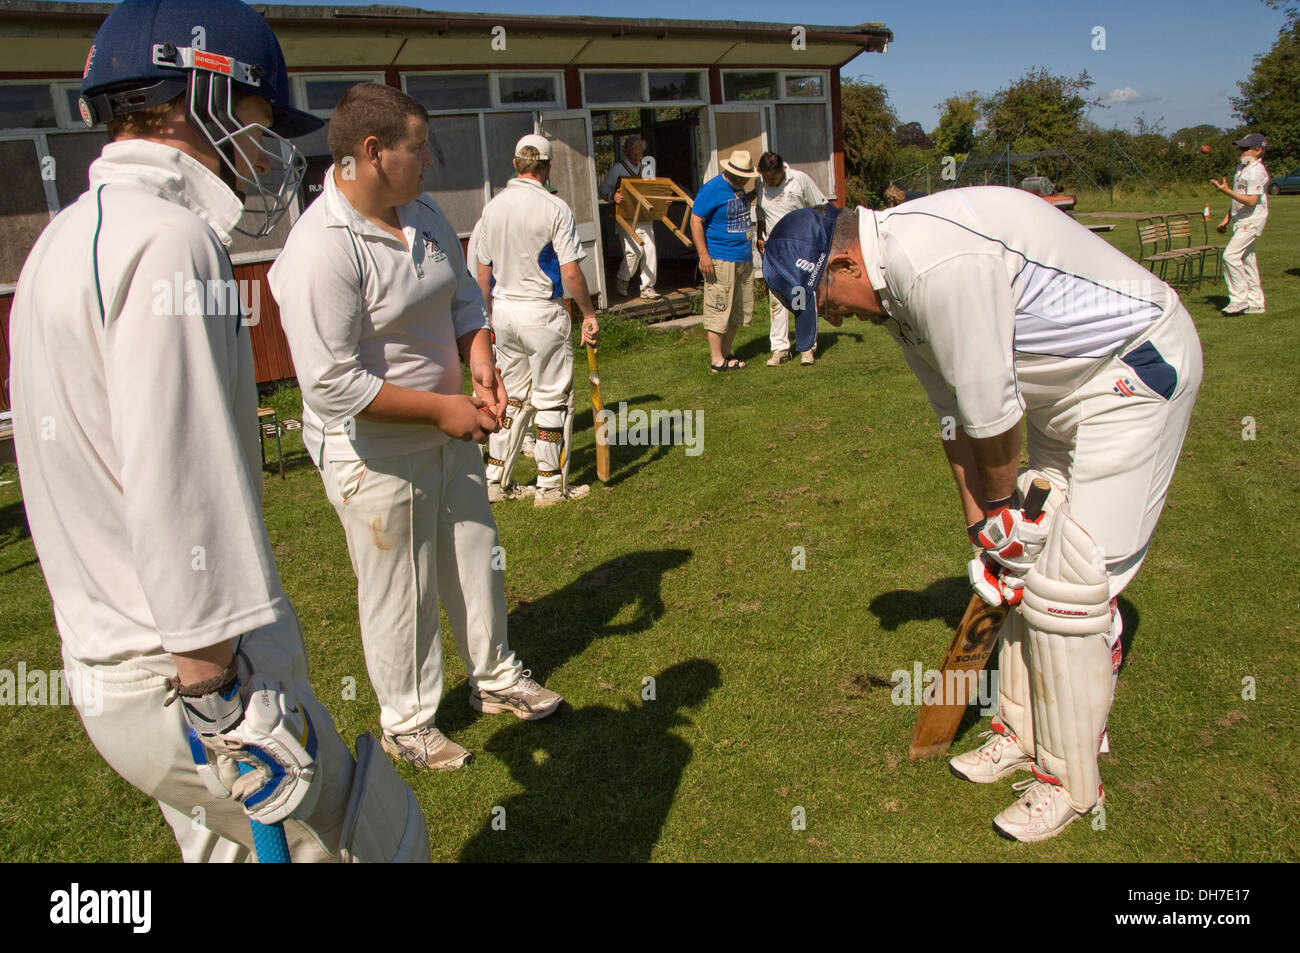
(1013, 316)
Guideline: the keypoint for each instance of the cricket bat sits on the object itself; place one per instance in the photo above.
(597, 405)
(976, 637)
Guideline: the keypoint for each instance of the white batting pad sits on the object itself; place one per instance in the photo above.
(1013, 682)
(383, 823)
(1067, 617)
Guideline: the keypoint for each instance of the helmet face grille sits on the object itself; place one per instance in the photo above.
(266, 168)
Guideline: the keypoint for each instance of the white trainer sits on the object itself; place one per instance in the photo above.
(426, 748)
(1234, 309)
(1042, 812)
(992, 761)
(551, 496)
(515, 491)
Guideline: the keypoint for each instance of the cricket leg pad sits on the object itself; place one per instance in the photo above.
(1068, 621)
(1013, 682)
(383, 823)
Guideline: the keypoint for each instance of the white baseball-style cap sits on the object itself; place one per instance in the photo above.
(540, 143)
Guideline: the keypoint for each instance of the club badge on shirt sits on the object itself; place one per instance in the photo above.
(435, 253)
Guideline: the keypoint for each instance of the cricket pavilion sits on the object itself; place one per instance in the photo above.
(694, 90)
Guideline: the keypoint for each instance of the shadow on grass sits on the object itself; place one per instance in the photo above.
(13, 524)
(944, 599)
(625, 461)
(1293, 271)
(598, 782)
(549, 631)
(758, 349)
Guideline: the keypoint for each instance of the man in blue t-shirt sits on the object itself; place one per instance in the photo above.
(721, 228)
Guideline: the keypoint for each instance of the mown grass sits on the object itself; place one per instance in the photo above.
(771, 684)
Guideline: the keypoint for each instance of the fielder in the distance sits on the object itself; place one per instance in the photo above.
(633, 164)
(782, 190)
(136, 429)
(380, 311)
(1016, 319)
(1248, 213)
(528, 258)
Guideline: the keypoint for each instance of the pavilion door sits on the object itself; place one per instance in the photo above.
(739, 127)
(573, 173)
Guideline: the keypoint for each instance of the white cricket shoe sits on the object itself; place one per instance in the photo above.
(650, 292)
(550, 497)
(808, 358)
(515, 491)
(1234, 309)
(524, 699)
(426, 748)
(992, 761)
(1042, 812)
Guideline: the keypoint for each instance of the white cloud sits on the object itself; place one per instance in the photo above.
(1128, 96)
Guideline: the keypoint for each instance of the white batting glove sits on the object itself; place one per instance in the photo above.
(1012, 540)
(993, 583)
(266, 728)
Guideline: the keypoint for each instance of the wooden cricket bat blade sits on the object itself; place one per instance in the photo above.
(598, 405)
(945, 702)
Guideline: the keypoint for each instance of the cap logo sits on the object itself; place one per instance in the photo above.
(805, 265)
(90, 59)
(83, 106)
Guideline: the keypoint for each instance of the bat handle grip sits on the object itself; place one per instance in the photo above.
(1036, 498)
(268, 839)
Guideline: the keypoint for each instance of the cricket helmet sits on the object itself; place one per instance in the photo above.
(215, 52)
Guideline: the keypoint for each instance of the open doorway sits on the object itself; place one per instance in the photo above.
(674, 138)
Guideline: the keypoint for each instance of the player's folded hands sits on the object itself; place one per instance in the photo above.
(274, 737)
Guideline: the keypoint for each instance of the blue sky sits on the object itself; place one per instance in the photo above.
(1173, 60)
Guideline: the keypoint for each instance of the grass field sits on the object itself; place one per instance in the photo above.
(771, 683)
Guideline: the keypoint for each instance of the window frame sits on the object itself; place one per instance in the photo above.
(645, 102)
(494, 89)
(782, 75)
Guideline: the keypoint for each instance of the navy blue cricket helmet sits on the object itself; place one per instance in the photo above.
(148, 52)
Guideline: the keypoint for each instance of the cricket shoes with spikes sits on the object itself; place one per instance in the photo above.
(1042, 812)
(515, 491)
(998, 757)
(553, 495)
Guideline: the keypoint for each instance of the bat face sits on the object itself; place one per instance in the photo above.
(981, 636)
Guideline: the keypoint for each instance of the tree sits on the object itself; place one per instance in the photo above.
(1037, 111)
(956, 133)
(1270, 97)
(1193, 137)
(911, 134)
(869, 123)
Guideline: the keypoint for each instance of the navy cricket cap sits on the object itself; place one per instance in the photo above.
(138, 47)
(795, 253)
(1252, 141)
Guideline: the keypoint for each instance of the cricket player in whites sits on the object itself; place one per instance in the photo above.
(1019, 322)
(528, 244)
(136, 429)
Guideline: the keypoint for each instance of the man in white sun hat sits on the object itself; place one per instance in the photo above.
(724, 233)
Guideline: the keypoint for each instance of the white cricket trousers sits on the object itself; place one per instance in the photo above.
(1241, 268)
(1115, 442)
(644, 255)
(535, 353)
(147, 744)
(419, 528)
(779, 335)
